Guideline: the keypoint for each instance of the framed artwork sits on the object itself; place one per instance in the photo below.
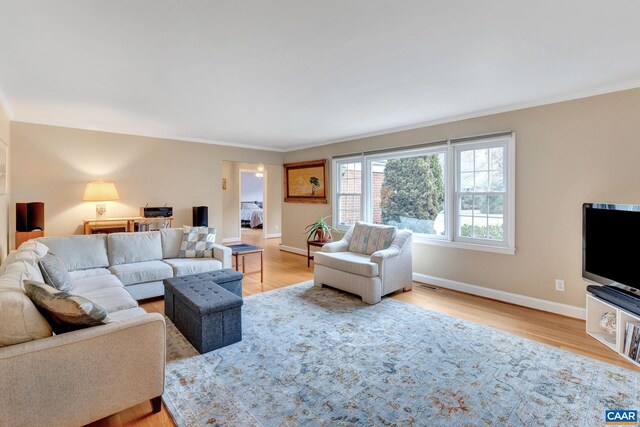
(3, 167)
(305, 182)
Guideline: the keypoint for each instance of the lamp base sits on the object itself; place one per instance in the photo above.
(101, 210)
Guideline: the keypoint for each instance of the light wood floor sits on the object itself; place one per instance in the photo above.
(283, 269)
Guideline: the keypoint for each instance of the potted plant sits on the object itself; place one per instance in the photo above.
(319, 230)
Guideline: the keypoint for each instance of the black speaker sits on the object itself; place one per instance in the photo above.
(30, 216)
(21, 217)
(200, 216)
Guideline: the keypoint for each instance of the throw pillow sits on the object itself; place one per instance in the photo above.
(369, 238)
(65, 312)
(54, 271)
(197, 242)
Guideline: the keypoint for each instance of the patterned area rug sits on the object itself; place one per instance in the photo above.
(316, 356)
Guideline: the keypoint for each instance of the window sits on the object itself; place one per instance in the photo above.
(348, 192)
(407, 190)
(454, 193)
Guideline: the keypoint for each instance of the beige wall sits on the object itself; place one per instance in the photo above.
(4, 198)
(231, 197)
(568, 153)
(53, 164)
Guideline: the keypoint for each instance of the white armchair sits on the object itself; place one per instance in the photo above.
(369, 276)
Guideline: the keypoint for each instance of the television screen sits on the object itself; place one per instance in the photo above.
(610, 232)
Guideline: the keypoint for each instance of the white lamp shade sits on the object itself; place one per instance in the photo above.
(100, 192)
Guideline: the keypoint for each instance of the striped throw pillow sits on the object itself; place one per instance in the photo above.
(369, 238)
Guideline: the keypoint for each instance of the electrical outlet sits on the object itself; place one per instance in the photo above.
(559, 285)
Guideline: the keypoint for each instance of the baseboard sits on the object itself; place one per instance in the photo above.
(273, 235)
(231, 239)
(293, 250)
(531, 302)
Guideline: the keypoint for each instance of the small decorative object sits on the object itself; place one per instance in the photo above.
(224, 183)
(608, 323)
(305, 182)
(103, 192)
(319, 230)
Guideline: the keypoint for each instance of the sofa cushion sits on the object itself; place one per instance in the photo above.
(26, 267)
(93, 283)
(64, 311)
(79, 252)
(369, 238)
(197, 242)
(126, 248)
(112, 299)
(20, 320)
(348, 262)
(186, 266)
(171, 241)
(54, 271)
(28, 256)
(141, 272)
(127, 314)
(34, 246)
(89, 272)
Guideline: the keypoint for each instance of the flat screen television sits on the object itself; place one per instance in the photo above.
(610, 245)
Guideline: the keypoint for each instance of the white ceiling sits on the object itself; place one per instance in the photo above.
(291, 73)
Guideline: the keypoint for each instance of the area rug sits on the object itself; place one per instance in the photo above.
(317, 356)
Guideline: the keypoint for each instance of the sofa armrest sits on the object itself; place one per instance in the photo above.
(339, 246)
(380, 256)
(82, 376)
(222, 253)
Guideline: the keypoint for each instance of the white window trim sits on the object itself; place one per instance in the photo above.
(335, 167)
(451, 176)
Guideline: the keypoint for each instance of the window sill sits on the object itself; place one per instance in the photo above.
(462, 245)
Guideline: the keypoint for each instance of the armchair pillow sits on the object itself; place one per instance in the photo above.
(64, 311)
(197, 242)
(370, 238)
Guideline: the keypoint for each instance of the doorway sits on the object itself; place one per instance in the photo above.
(252, 195)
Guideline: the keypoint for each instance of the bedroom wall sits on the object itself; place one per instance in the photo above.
(251, 188)
(231, 198)
(567, 153)
(53, 165)
(5, 136)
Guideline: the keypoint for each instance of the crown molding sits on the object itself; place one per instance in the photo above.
(602, 90)
(4, 104)
(487, 112)
(147, 134)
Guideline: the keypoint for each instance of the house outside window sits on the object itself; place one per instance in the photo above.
(458, 192)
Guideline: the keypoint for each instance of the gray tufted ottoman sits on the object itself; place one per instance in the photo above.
(227, 278)
(207, 315)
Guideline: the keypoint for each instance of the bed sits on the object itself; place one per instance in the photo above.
(251, 214)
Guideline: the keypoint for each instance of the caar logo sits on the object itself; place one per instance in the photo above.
(620, 417)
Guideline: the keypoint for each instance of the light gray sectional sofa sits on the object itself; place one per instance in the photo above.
(81, 376)
(140, 261)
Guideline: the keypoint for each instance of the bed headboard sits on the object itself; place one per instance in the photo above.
(257, 202)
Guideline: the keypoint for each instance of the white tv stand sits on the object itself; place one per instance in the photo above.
(595, 309)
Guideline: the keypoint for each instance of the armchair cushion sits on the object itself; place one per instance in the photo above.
(369, 238)
(348, 262)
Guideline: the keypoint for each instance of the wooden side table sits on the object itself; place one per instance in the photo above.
(244, 249)
(317, 244)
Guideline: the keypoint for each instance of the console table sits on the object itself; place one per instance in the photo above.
(128, 223)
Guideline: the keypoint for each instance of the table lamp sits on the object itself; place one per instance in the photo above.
(100, 191)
